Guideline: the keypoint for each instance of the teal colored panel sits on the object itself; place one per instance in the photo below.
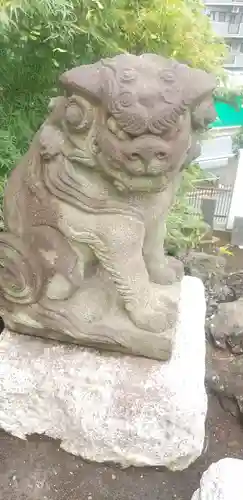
(228, 116)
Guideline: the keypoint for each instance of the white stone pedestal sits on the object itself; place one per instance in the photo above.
(222, 481)
(111, 407)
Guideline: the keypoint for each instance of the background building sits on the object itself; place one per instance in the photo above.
(227, 21)
(218, 158)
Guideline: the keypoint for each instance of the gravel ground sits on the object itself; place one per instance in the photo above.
(37, 469)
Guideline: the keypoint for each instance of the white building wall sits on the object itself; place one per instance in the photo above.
(236, 208)
(217, 148)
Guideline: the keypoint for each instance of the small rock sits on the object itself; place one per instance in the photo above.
(224, 378)
(227, 326)
(234, 282)
(222, 481)
(204, 265)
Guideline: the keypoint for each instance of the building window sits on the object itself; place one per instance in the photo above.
(235, 18)
(232, 18)
(222, 17)
(241, 48)
(234, 23)
(231, 60)
(213, 15)
(233, 29)
(234, 45)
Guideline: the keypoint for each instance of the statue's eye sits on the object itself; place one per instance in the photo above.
(134, 157)
(161, 155)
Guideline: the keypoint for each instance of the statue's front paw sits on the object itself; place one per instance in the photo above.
(156, 316)
(177, 266)
(167, 272)
(163, 275)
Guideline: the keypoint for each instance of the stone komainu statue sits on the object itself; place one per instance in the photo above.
(82, 257)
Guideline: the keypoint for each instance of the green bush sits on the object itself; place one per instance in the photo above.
(185, 227)
(41, 38)
(238, 141)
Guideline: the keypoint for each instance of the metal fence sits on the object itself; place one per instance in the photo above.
(222, 197)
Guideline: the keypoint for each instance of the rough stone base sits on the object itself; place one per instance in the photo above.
(111, 407)
(222, 481)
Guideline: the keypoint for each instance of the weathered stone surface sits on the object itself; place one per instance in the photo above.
(234, 282)
(224, 377)
(204, 265)
(211, 270)
(222, 481)
(111, 407)
(85, 209)
(226, 327)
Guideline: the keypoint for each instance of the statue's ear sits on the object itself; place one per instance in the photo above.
(196, 84)
(84, 80)
(204, 114)
(55, 101)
